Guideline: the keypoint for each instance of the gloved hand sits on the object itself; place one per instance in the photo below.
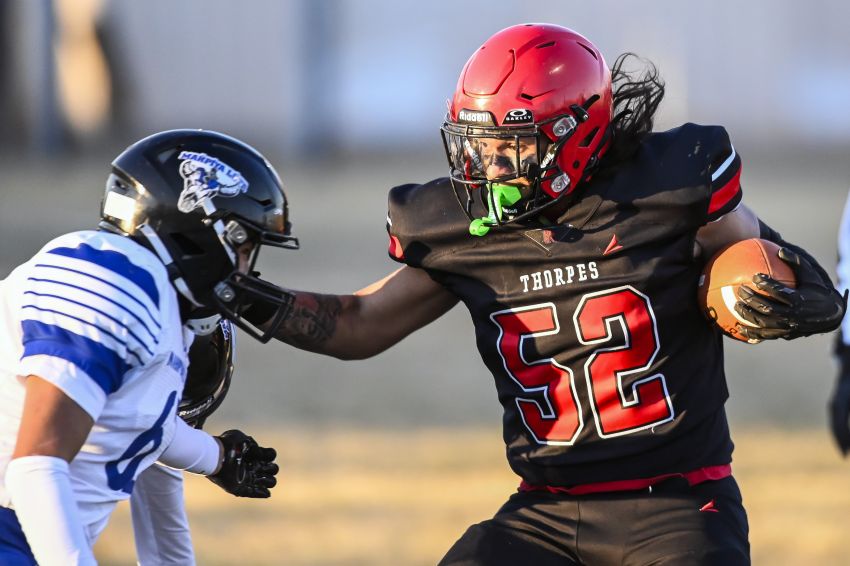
(839, 403)
(813, 307)
(247, 469)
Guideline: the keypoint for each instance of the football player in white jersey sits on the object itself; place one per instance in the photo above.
(94, 340)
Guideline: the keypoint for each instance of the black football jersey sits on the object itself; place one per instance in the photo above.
(604, 364)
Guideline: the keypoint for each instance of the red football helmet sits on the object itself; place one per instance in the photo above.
(533, 103)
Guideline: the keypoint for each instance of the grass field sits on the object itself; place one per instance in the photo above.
(381, 498)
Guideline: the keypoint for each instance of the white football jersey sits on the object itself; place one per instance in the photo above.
(95, 314)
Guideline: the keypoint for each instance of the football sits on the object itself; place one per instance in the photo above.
(731, 267)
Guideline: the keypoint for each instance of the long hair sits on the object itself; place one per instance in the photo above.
(638, 90)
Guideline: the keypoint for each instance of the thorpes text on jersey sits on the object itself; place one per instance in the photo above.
(556, 277)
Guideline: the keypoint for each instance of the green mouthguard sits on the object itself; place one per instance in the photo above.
(502, 195)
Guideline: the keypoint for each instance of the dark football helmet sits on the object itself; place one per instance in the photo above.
(205, 203)
(541, 95)
(211, 358)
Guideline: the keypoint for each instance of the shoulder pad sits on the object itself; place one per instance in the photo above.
(700, 158)
(423, 220)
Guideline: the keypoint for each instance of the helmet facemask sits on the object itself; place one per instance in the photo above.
(510, 166)
(234, 294)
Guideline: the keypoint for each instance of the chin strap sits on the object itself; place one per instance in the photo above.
(166, 259)
(203, 326)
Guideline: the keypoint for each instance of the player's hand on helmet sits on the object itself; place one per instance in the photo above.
(247, 469)
(814, 306)
(839, 403)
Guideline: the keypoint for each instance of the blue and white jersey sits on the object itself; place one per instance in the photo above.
(95, 314)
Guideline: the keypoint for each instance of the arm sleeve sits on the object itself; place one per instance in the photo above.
(40, 490)
(160, 523)
(192, 450)
(724, 171)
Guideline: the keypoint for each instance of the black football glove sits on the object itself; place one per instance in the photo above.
(813, 307)
(247, 469)
(839, 403)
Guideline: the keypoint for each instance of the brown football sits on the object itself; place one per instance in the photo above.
(731, 267)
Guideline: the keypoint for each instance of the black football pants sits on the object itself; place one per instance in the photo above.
(671, 524)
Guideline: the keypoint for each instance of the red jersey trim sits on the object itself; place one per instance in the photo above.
(722, 196)
(395, 249)
(695, 477)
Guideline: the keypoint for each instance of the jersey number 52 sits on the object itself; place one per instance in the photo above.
(549, 405)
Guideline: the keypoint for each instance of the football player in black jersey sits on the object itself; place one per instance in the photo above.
(575, 237)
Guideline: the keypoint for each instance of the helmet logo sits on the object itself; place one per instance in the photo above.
(480, 117)
(206, 177)
(519, 116)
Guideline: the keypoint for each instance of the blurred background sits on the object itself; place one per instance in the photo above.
(345, 97)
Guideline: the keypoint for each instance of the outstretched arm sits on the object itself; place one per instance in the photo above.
(367, 322)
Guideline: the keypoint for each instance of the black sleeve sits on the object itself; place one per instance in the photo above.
(724, 175)
(397, 221)
(425, 223)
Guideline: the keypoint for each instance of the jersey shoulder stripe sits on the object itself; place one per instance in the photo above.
(725, 198)
(118, 325)
(728, 166)
(82, 327)
(150, 325)
(100, 362)
(151, 310)
(116, 262)
(725, 175)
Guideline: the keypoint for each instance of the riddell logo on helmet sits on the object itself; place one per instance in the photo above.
(519, 116)
(475, 117)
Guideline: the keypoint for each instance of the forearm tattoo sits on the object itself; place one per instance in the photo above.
(312, 321)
